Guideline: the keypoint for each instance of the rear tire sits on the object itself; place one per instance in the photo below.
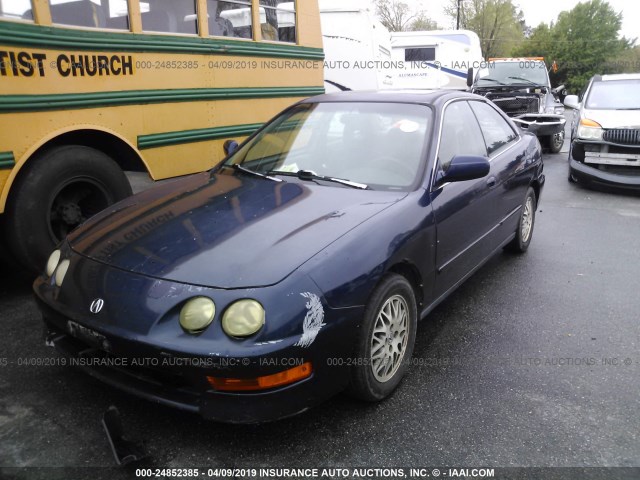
(386, 340)
(61, 188)
(524, 232)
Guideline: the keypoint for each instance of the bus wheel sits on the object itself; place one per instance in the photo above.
(62, 188)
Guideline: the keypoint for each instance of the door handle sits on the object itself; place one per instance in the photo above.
(491, 182)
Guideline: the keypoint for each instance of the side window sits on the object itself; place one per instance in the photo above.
(461, 134)
(91, 13)
(278, 20)
(230, 18)
(17, 9)
(497, 132)
(175, 16)
(426, 54)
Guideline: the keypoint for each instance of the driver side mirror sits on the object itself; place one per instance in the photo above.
(571, 101)
(465, 167)
(470, 77)
(230, 146)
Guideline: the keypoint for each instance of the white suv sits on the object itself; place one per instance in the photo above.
(605, 133)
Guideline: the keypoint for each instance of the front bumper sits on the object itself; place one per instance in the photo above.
(541, 124)
(589, 175)
(176, 380)
(132, 345)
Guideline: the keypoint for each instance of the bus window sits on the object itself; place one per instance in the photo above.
(278, 20)
(118, 15)
(90, 13)
(172, 16)
(16, 9)
(230, 18)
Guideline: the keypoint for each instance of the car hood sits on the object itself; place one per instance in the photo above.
(614, 118)
(223, 230)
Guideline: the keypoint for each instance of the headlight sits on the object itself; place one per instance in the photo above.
(243, 318)
(61, 271)
(555, 109)
(52, 263)
(197, 314)
(589, 130)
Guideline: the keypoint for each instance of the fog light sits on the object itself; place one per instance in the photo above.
(61, 271)
(262, 383)
(197, 314)
(243, 318)
(52, 263)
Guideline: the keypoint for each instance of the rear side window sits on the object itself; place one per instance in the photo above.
(496, 130)
(461, 134)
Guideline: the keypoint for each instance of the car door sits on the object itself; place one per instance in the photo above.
(508, 178)
(462, 209)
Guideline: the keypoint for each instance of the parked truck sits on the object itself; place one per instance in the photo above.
(522, 89)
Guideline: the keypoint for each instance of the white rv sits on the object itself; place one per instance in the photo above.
(357, 46)
(435, 59)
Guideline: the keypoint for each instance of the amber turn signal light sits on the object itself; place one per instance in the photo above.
(590, 123)
(262, 383)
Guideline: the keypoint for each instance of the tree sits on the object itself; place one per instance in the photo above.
(394, 14)
(422, 23)
(627, 62)
(583, 42)
(498, 23)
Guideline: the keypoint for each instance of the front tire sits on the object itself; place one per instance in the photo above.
(556, 141)
(524, 232)
(59, 190)
(388, 334)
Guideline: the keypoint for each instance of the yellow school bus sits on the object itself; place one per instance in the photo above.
(90, 89)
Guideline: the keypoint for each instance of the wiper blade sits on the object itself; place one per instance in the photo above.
(530, 82)
(240, 168)
(492, 80)
(311, 175)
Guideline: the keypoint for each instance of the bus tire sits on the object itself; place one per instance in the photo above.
(60, 188)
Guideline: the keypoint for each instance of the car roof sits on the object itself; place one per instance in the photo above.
(516, 60)
(618, 76)
(423, 97)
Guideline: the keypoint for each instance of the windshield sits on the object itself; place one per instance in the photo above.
(378, 145)
(614, 95)
(524, 72)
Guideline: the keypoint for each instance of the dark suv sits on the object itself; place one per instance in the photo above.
(521, 88)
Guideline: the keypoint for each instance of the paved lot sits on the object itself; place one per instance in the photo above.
(535, 361)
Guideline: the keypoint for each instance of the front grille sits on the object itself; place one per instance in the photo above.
(623, 136)
(514, 105)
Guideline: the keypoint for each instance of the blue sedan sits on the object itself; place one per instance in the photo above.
(299, 266)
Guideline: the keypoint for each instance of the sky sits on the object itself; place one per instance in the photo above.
(537, 11)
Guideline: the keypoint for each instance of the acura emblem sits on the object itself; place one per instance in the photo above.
(96, 305)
